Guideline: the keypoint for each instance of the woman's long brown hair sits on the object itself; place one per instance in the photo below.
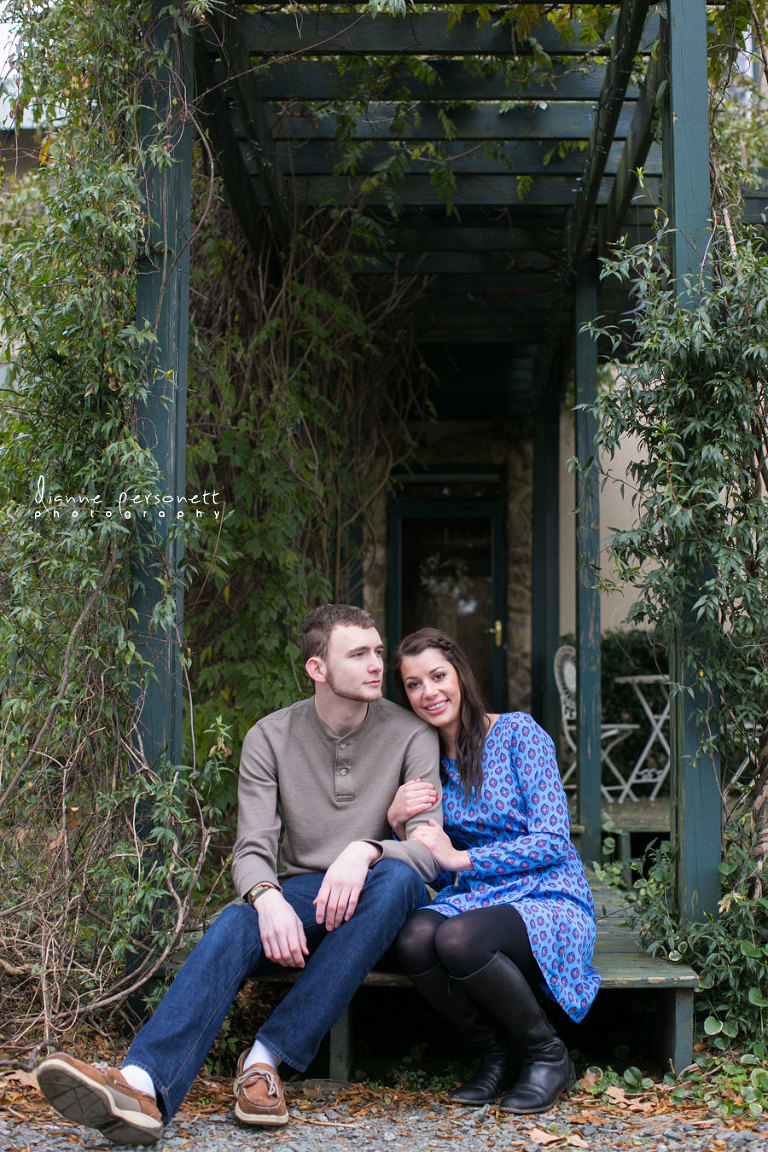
(472, 730)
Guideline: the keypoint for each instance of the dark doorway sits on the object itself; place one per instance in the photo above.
(447, 569)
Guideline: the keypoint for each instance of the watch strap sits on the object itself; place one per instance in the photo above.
(259, 889)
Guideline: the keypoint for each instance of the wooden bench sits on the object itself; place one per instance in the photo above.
(621, 962)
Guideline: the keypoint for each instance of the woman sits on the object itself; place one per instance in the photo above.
(513, 909)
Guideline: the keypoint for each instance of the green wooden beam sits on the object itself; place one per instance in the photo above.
(420, 233)
(420, 34)
(695, 792)
(470, 192)
(227, 150)
(270, 188)
(318, 80)
(162, 303)
(557, 121)
(588, 631)
(627, 38)
(545, 561)
(638, 146)
(517, 157)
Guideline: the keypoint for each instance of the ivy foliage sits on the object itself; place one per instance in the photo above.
(95, 841)
(300, 391)
(694, 397)
(303, 398)
(687, 382)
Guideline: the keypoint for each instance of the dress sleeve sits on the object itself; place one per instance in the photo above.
(526, 763)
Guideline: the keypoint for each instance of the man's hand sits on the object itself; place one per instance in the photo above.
(281, 931)
(439, 843)
(343, 882)
(411, 798)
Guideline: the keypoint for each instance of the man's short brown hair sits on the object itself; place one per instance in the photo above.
(320, 622)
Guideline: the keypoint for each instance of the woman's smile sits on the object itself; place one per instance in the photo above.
(434, 692)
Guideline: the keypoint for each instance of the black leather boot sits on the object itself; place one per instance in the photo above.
(497, 1069)
(546, 1068)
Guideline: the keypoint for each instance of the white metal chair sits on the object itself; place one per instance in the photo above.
(611, 735)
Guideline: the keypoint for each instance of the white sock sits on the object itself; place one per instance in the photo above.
(259, 1054)
(139, 1079)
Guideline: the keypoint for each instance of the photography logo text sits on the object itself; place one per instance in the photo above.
(127, 505)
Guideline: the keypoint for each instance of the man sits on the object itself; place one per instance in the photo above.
(329, 766)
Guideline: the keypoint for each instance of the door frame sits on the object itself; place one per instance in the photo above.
(400, 510)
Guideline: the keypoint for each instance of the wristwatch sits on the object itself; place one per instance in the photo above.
(253, 894)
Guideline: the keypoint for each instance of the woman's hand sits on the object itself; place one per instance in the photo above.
(439, 844)
(412, 798)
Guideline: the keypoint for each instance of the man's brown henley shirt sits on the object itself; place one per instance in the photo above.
(324, 790)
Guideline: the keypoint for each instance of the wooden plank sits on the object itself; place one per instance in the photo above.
(696, 802)
(556, 121)
(638, 148)
(529, 240)
(421, 34)
(229, 158)
(629, 30)
(516, 157)
(449, 79)
(162, 304)
(470, 192)
(545, 561)
(587, 563)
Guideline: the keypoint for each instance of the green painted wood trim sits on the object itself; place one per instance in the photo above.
(627, 37)
(695, 795)
(244, 87)
(162, 302)
(518, 157)
(485, 510)
(685, 133)
(555, 121)
(422, 34)
(320, 80)
(637, 148)
(545, 566)
(226, 149)
(588, 632)
(695, 792)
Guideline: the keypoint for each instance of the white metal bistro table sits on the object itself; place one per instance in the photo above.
(643, 773)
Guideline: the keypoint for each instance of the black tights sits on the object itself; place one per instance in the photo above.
(465, 943)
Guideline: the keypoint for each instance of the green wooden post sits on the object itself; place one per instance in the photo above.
(162, 302)
(587, 565)
(545, 565)
(696, 802)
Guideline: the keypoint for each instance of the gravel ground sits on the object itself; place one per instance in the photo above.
(324, 1119)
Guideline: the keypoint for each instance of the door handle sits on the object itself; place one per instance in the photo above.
(496, 632)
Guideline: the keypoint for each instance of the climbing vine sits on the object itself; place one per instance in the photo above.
(95, 841)
(304, 397)
(689, 383)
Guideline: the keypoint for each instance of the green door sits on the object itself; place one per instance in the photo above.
(446, 569)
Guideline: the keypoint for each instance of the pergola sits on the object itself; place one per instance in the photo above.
(545, 177)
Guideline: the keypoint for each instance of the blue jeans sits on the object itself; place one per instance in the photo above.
(174, 1043)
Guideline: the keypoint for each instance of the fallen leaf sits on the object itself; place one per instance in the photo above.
(27, 1078)
(577, 1141)
(539, 1136)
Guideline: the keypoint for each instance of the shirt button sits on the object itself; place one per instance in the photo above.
(343, 771)
(342, 745)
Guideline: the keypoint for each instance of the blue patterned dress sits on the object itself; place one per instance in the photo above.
(517, 833)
